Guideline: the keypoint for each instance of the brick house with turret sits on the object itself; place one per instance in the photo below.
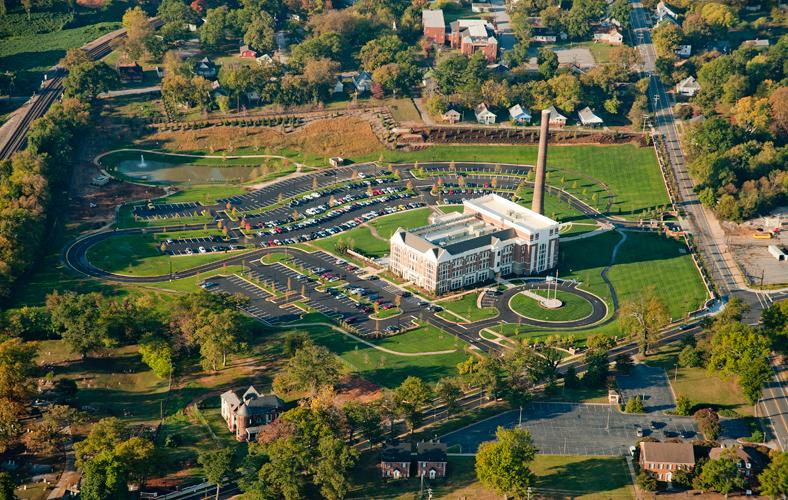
(472, 35)
(248, 414)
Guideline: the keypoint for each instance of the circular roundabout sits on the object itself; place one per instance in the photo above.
(552, 306)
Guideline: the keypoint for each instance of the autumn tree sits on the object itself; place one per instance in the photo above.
(774, 478)
(504, 464)
(643, 317)
(216, 465)
(311, 368)
(411, 396)
(87, 80)
(138, 33)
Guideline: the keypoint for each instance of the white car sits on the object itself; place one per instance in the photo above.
(202, 250)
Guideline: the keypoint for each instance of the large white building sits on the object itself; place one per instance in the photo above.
(491, 237)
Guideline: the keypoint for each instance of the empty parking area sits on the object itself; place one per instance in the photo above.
(651, 384)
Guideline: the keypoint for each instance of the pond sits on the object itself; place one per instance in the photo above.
(160, 172)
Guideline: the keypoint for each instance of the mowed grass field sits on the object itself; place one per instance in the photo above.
(631, 172)
(570, 476)
(574, 307)
(466, 307)
(139, 255)
(385, 226)
(389, 370)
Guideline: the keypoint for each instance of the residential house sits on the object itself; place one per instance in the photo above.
(452, 116)
(588, 118)
(665, 10)
(541, 34)
(481, 7)
(684, 51)
(336, 161)
(159, 71)
(339, 86)
(688, 87)
(664, 459)
(363, 82)
(471, 35)
(205, 68)
(246, 52)
(757, 44)
(434, 25)
(497, 69)
(264, 59)
(519, 115)
(748, 460)
(484, 115)
(666, 19)
(395, 461)
(556, 118)
(247, 415)
(609, 35)
(130, 73)
(431, 459)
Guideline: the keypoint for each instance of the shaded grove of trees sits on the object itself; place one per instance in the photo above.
(738, 153)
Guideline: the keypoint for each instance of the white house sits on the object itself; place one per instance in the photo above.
(611, 36)
(484, 115)
(588, 118)
(684, 51)
(758, 44)
(519, 115)
(264, 59)
(556, 118)
(688, 87)
(664, 10)
(363, 82)
(338, 87)
(452, 116)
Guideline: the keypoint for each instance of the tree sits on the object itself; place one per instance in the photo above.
(215, 466)
(449, 390)
(620, 10)
(597, 367)
(752, 114)
(364, 418)
(138, 33)
(382, 50)
(683, 405)
(503, 465)
(567, 91)
(17, 362)
(87, 80)
(104, 477)
(311, 368)
(332, 470)
(157, 354)
(548, 62)
(774, 478)
(214, 30)
(45, 435)
(737, 349)
(666, 37)
(75, 57)
(642, 318)
(410, 397)
(635, 405)
(718, 15)
(709, 423)
(721, 475)
(646, 481)
(7, 487)
(293, 341)
(779, 103)
(260, 33)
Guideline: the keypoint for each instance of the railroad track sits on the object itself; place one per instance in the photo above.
(53, 88)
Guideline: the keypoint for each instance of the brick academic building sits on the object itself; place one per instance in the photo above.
(491, 237)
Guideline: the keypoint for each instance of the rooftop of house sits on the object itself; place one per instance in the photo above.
(588, 116)
(668, 453)
(432, 18)
(746, 454)
(688, 82)
(396, 453)
(252, 402)
(430, 451)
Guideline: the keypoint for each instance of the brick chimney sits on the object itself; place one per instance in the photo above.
(537, 205)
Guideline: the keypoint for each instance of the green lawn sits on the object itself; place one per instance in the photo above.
(386, 313)
(139, 255)
(205, 194)
(427, 338)
(647, 259)
(362, 242)
(574, 306)
(410, 219)
(557, 476)
(702, 388)
(629, 171)
(383, 369)
(466, 307)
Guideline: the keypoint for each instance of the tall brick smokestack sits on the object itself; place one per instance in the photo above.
(541, 164)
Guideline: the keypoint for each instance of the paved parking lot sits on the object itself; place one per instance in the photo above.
(583, 429)
(651, 384)
(167, 210)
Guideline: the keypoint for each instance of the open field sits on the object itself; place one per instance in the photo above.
(583, 477)
(637, 187)
(139, 255)
(427, 338)
(362, 241)
(383, 369)
(702, 388)
(574, 307)
(465, 306)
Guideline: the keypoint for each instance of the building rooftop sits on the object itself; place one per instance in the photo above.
(674, 453)
(509, 213)
(432, 19)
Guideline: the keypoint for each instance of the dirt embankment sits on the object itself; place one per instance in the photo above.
(348, 136)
